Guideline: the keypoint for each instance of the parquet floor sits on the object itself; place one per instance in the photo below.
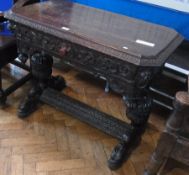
(50, 142)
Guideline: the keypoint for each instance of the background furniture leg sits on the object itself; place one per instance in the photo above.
(173, 142)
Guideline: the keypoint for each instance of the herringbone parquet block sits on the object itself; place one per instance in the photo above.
(50, 142)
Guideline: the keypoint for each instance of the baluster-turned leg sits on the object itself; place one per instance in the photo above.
(41, 67)
(138, 105)
(138, 109)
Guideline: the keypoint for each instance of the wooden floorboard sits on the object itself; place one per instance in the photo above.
(50, 142)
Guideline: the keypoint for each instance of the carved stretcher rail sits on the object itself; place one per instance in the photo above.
(85, 113)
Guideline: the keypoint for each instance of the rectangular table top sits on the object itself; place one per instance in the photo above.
(126, 38)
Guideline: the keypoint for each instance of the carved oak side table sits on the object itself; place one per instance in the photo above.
(124, 51)
(174, 141)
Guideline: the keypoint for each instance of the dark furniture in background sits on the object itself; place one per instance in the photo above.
(174, 141)
(8, 54)
(173, 77)
(126, 52)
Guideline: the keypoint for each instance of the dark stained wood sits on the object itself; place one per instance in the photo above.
(8, 51)
(124, 51)
(174, 141)
(101, 30)
(179, 57)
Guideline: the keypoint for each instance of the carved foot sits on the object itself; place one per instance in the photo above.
(117, 156)
(138, 111)
(29, 105)
(57, 82)
(121, 153)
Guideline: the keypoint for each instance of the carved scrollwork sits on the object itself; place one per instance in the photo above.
(138, 109)
(76, 55)
(121, 75)
(143, 78)
(117, 72)
(37, 41)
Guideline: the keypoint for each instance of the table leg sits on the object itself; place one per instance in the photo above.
(41, 68)
(138, 103)
(138, 110)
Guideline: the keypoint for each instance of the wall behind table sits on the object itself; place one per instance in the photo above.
(5, 5)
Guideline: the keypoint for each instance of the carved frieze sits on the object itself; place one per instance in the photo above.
(121, 75)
